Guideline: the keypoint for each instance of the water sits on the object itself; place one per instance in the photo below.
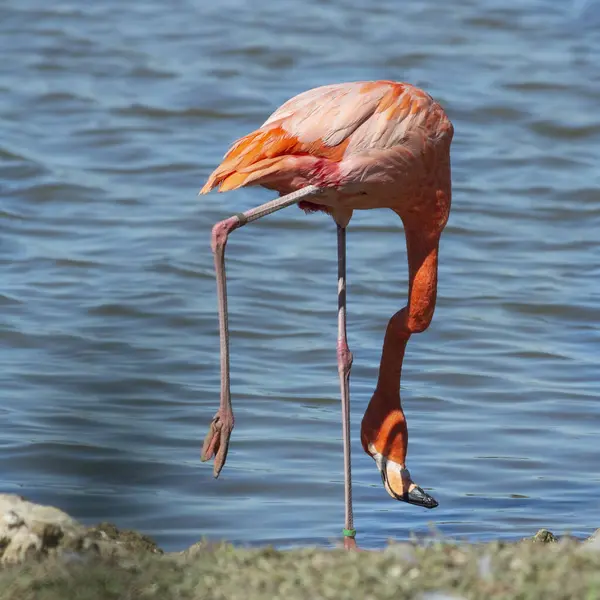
(114, 113)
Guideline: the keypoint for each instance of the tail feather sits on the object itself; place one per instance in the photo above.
(266, 154)
(250, 175)
(251, 158)
(228, 176)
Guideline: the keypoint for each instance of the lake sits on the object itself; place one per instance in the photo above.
(113, 114)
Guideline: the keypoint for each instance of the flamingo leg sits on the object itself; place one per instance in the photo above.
(344, 360)
(216, 442)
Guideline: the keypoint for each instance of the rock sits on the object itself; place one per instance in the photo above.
(593, 542)
(33, 531)
(128, 540)
(543, 536)
(29, 530)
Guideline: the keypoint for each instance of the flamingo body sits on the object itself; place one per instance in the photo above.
(342, 147)
(375, 144)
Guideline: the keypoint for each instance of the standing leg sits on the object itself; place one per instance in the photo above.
(344, 359)
(216, 442)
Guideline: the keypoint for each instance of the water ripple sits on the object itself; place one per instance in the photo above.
(114, 114)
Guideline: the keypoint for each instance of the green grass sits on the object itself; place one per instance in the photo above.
(524, 571)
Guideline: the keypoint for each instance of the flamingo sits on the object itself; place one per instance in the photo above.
(339, 148)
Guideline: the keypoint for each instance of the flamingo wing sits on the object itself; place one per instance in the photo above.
(330, 123)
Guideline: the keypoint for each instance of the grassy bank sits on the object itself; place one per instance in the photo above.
(525, 570)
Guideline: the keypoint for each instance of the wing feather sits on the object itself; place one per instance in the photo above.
(328, 122)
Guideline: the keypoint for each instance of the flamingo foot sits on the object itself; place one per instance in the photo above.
(350, 543)
(216, 442)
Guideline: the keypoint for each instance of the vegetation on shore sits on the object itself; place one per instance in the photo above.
(46, 555)
(525, 570)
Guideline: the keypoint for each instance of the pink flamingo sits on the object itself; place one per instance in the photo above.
(338, 148)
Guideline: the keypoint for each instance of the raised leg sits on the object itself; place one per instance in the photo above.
(216, 443)
(344, 360)
(384, 433)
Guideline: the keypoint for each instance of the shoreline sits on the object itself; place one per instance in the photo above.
(47, 555)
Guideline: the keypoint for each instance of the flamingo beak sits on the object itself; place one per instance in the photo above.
(416, 495)
(400, 478)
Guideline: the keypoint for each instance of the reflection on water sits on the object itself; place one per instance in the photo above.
(114, 114)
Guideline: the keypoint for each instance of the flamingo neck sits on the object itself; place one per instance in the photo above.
(384, 424)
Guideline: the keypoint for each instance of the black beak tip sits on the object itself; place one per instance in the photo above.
(416, 496)
(420, 498)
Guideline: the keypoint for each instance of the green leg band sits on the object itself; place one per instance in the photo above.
(349, 532)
